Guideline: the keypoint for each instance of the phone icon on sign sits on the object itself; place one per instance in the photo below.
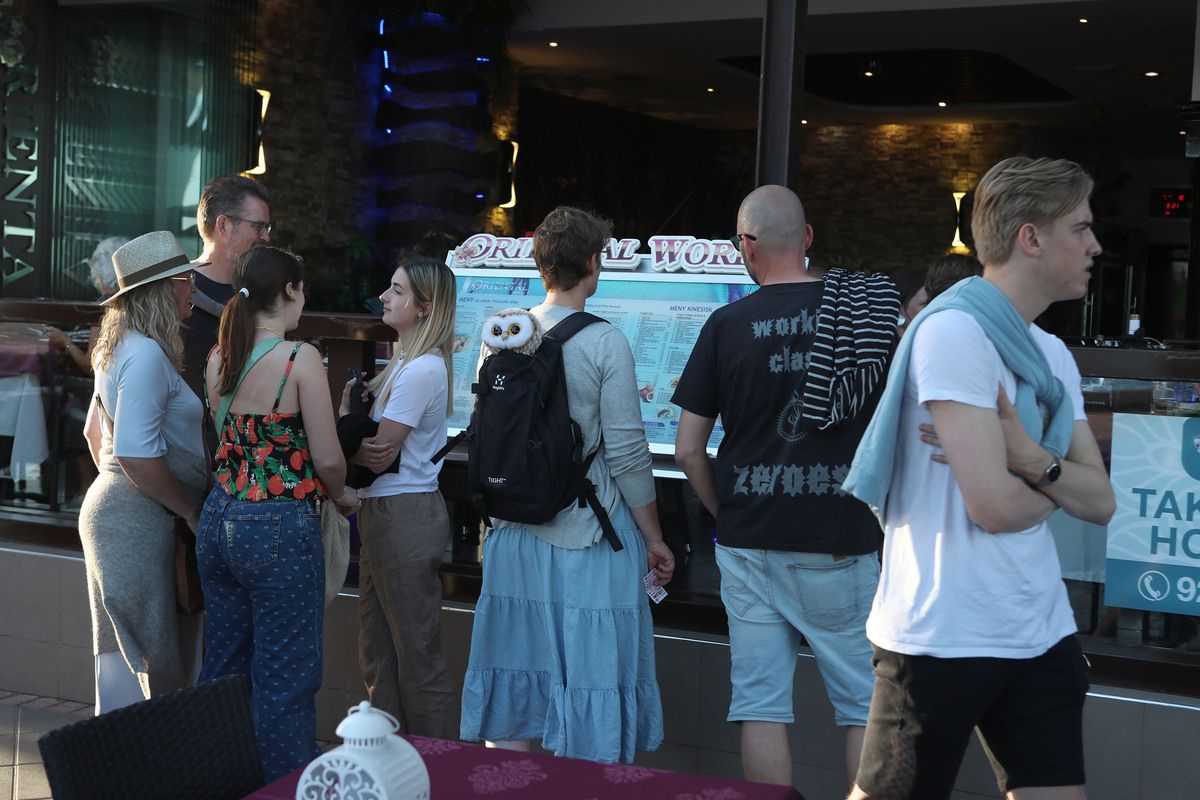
(1153, 585)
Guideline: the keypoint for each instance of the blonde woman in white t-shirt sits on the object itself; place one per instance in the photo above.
(403, 523)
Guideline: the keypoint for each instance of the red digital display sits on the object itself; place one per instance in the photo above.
(1171, 203)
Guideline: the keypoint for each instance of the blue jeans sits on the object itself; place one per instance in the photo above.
(262, 571)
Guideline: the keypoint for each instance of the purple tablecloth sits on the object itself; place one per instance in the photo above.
(461, 770)
(24, 358)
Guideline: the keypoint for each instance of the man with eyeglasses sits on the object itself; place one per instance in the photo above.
(797, 555)
(234, 215)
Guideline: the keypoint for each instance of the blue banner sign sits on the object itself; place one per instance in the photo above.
(1153, 558)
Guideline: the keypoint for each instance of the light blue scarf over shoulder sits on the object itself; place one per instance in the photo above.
(870, 475)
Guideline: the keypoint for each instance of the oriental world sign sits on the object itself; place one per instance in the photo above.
(666, 254)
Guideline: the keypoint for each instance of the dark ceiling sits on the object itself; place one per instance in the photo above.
(1027, 62)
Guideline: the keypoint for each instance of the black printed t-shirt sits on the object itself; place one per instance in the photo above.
(200, 332)
(778, 480)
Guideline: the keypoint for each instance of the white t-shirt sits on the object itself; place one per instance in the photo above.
(418, 399)
(150, 405)
(949, 588)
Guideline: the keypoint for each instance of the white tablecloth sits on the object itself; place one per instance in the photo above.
(23, 417)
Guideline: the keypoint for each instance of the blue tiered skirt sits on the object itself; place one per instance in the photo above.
(563, 648)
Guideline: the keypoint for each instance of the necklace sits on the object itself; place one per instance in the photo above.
(269, 328)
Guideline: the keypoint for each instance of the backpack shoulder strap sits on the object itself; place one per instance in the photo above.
(260, 350)
(572, 325)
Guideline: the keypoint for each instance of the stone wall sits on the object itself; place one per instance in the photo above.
(881, 196)
(317, 139)
(877, 196)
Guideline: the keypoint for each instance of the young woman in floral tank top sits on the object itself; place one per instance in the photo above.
(259, 540)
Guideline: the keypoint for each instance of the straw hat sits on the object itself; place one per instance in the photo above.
(148, 258)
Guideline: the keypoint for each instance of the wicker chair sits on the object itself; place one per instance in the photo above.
(194, 743)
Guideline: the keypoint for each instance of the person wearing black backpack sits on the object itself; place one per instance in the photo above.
(562, 648)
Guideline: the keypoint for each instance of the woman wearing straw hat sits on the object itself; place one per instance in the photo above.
(143, 431)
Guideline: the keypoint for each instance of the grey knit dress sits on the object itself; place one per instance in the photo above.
(128, 539)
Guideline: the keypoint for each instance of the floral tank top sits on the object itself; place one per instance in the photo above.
(265, 456)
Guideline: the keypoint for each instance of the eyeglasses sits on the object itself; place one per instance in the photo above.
(737, 239)
(258, 225)
(189, 276)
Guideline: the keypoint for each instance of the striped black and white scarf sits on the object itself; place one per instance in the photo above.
(856, 331)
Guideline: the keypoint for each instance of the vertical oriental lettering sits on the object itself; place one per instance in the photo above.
(20, 135)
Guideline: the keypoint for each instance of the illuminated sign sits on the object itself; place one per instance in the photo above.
(666, 254)
(1171, 203)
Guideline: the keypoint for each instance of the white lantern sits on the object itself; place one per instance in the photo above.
(372, 764)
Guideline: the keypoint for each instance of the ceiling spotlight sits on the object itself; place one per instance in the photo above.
(1083, 20)
(554, 44)
(868, 74)
(710, 90)
(941, 104)
(803, 122)
(1151, 74)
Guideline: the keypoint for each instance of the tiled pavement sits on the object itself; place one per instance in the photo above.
(23, 718)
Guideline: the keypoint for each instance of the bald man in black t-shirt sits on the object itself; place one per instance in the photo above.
(797, 555)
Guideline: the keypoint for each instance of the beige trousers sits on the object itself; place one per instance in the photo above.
(400, 605)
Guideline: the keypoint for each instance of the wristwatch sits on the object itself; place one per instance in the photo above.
(1052, 472)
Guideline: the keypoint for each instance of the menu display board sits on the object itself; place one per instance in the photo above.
(660, 314)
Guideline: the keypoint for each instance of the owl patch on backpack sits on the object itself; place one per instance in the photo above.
(511, 329)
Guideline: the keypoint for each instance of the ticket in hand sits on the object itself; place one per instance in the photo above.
(656, 592)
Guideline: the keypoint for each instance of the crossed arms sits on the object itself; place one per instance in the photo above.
(998, 467)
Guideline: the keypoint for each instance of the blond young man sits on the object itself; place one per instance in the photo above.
(979, 438)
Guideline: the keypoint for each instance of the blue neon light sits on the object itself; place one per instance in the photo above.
(482, 59)
(387, 87)
(385, 60)
(478, 197)
(381, 27)
(388, 131)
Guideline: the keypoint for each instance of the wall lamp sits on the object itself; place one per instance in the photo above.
(958, 245)
(512, 172)
(261, 167)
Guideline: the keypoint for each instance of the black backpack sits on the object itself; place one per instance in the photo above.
(525, 453)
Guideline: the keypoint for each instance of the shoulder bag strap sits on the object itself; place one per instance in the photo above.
(104, 413)
(207, 304)
(286, 372)
(204, 376)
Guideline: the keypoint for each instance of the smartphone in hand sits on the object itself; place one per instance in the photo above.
(359, 394)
